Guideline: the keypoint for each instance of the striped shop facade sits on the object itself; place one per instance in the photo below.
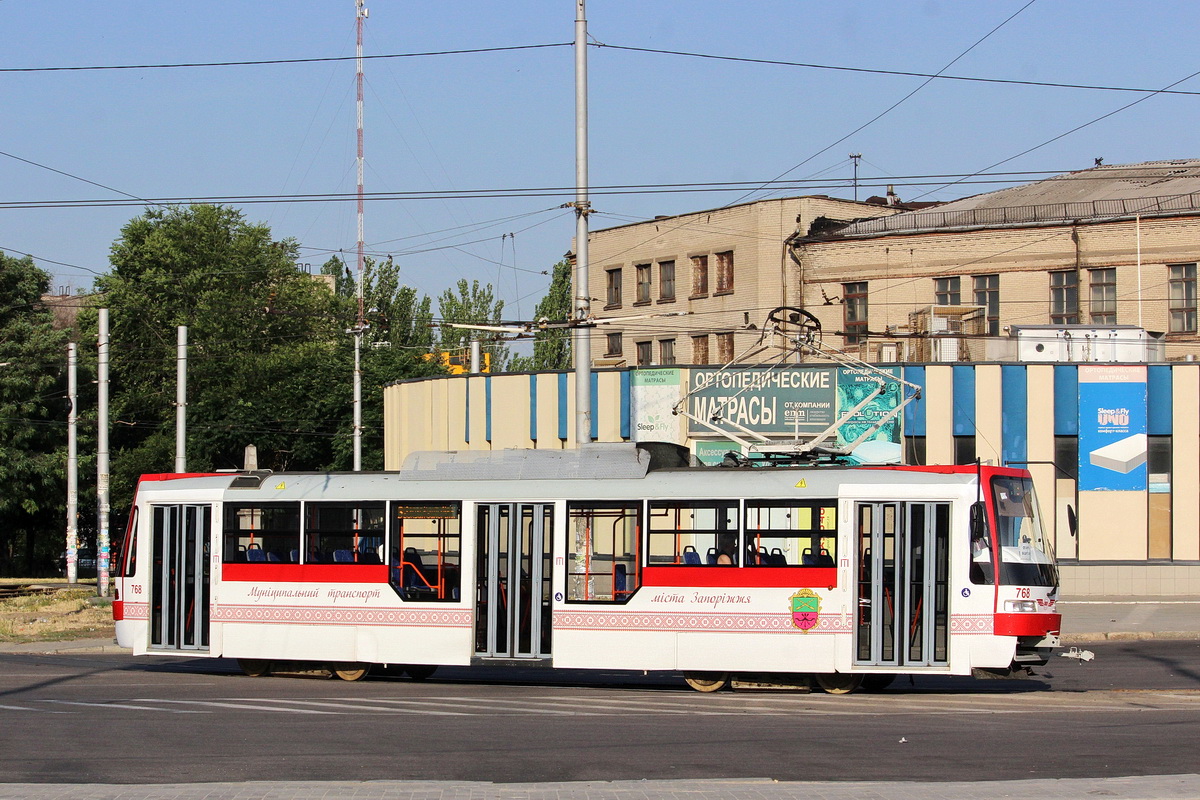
(1139, 538)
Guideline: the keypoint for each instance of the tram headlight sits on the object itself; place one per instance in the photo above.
(1020, 606)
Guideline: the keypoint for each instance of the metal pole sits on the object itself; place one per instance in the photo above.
(72, 464)
(102, 458)
(583, 312)
(181, 335)
(476, 356)
(360, 14)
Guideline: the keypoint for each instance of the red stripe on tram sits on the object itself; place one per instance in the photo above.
(305, 573)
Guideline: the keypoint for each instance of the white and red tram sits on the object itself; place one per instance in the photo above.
(592, 558)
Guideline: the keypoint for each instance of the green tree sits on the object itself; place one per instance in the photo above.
(397, 338)
(33, 413)
(551, 346)
(471, 304)
(267, 358)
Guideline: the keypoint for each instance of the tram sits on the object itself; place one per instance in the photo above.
(596, 558)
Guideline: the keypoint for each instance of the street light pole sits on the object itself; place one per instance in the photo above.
(583, 310)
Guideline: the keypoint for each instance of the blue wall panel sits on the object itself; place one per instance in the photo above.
(625, 434)
(964, 401)
(1066, 400)
(562, 405)
(914, 412)
(533, 407)
(1014, 413)
(487, 407)
(1160, 404)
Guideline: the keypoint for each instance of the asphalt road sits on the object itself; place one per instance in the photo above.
(1134, 710)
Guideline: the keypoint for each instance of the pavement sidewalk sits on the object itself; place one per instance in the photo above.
(1157, 787)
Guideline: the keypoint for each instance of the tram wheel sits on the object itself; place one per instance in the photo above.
(706, 681)
(420, 672)
(351, 671)
(255, 667)
(838, 682)
(877, 682)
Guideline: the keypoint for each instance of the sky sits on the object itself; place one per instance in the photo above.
(494, 122)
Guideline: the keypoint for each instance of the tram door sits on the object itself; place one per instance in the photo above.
(903, 584)
(512, 596)
(179, 590)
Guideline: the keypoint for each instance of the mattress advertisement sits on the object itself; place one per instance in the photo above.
(1112, 428)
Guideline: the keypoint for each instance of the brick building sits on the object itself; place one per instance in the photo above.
(1103, 247)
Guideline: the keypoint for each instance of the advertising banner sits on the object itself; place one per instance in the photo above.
(774, 401)
(654, 393)
(852, 389)
(1112, 428)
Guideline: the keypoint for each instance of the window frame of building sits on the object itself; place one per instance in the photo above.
(1064, 297)
(666, 281)
(666, 351)
(699, 276)
(645, 353)
(642, 274)
(612, 287)
(724, 272)
(985, 290)
(612, 344)
(700, 348)
(724, 347)
(1102, 296)
(854, 312)
(1181, 298)
(947, 291)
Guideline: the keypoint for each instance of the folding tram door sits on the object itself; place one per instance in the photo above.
(902, 584)
(179, 591)
(513, 588)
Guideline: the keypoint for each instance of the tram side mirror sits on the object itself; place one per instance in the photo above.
(978, 522)
(1072, 521)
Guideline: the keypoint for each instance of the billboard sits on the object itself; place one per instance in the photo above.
(1113, 439)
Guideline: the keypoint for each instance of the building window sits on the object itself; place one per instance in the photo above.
(699, 276)
(700, 349)
(643, 283)
(612, 344)
(1102, 297)
(724, 348)
(987, 294)
(947, 291)
(725, 272)
(854, 311)
(666, 281)
(1064, 298)
(612, 279)
(666, 351)
(1181, 293)
(645, 355)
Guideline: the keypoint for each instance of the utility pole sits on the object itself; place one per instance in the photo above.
(72, 464)
(583, 305)
(855, 158)
(360, 14)
(102, 475)
(181, 336)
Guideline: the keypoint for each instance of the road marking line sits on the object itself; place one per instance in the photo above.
(124, 705)
(238, 706)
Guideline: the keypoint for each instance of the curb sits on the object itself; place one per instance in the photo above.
(1128, 636)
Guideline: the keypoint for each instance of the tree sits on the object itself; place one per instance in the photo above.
(396, 341)
(472, 304)
(267, 357)
(32, 415)
(552, 346)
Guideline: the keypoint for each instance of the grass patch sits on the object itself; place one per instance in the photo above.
(63, 615)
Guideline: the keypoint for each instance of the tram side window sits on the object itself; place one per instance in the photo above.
(343, 533)
(425, 562)
(693, 532)
(129, 562)
(783, 533)
(269, 532)
(602, 551)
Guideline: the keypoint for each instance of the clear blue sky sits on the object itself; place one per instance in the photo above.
(505, 120)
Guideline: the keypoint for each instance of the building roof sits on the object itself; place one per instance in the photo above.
(1100, 194)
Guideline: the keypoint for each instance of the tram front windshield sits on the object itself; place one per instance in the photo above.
(1026, 557)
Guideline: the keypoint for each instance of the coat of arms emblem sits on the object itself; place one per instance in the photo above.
(806, 609)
